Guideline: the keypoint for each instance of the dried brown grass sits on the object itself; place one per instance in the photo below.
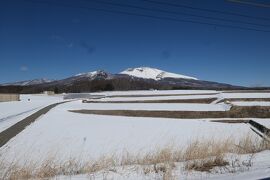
(199, 155)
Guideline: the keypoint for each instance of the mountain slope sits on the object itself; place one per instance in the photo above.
(28, 82)
(153, 73)
(89, 76)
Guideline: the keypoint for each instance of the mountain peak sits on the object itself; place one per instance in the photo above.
(153, 73)
(93, 74)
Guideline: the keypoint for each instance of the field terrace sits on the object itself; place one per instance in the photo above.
(142, 134)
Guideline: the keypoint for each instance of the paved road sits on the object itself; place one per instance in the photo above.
(15, 115)
(12, 131)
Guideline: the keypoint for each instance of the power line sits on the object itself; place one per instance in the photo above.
(148, 16)
(207, 10)
(250, 3)
(174, 12)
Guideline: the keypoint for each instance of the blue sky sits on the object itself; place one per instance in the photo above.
(53, 39)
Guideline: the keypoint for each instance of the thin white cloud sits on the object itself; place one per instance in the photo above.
(24, 68)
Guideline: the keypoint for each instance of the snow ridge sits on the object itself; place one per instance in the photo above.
(92, 74)
(88, 74)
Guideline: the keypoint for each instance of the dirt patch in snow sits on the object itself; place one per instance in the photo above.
(232, 121)
(201, 101)
(157, 95)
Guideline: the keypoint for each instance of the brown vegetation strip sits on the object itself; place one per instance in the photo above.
(202, 101)
(235, 112)
(231, 121)
(12, 131)
(157, 95)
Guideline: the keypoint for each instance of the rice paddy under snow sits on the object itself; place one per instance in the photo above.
(68, 134)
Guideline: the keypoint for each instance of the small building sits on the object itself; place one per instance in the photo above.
(9, 97)
(50, 93)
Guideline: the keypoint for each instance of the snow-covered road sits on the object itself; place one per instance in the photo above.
(13, 112)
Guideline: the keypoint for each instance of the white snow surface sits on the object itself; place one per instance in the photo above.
(150, 106)
(88, 74)
(14, 111)
(74, 134)
(156, 98)
(155, 92)
(153, 73)
(186, 94)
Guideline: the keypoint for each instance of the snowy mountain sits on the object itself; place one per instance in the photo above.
(153, 73)
(93, 74)
(99, 74)
(89, 76)
(29, 82)
(141, 78)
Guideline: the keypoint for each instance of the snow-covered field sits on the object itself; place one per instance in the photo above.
(157, 98)
(12, 112)
(77, 105)
(99, 135)
(68, 134)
